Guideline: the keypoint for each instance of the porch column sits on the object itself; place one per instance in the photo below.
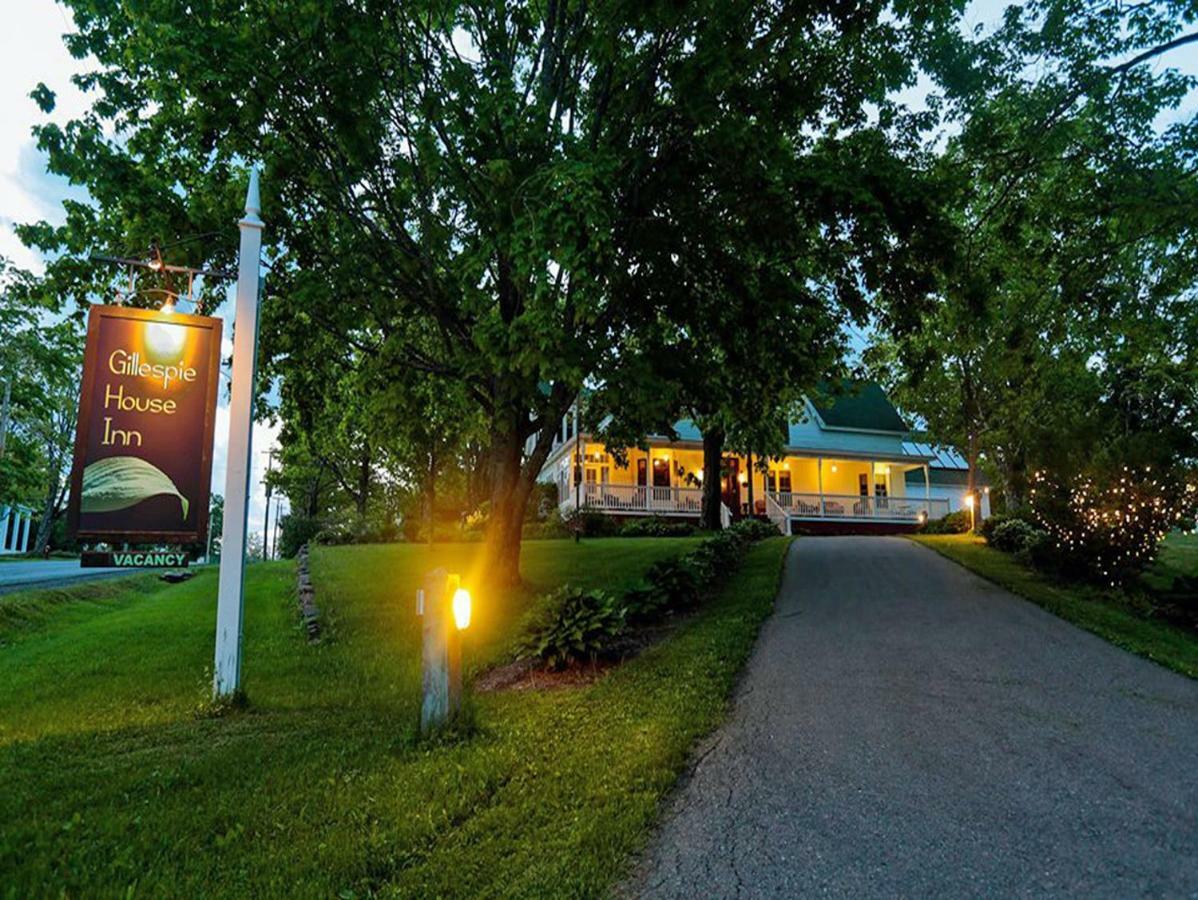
(819, 470)
(4, 528)
(23, 535)
(871, 497)
(927, 486)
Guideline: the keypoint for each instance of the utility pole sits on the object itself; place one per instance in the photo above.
(278, 521)
(270, 458)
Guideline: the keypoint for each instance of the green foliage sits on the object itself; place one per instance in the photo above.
(656, 526)
(953, 523)
(1065, 332)
(592, 524)
(350, 528)
(754, 530)
(582, 626)
(674, 583)
(39, 391)
(492, 229)
(551, 528)
(295, 530)
(1013, 535)
(1108, 527)
(718, 554)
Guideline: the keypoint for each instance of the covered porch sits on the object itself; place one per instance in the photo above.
(667, 480)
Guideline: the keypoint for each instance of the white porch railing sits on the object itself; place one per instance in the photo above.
(776, 514)
(851, 506)
(633, 498)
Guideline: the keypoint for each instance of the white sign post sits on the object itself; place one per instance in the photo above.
(226, 679)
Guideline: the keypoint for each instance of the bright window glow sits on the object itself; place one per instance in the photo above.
(461, 608)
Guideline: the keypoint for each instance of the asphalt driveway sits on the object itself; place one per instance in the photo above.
(30, 574)
(906, 728)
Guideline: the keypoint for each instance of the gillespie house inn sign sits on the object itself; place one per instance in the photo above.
(143, 446)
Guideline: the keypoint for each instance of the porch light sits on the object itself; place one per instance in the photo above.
(461, 608)
(743, 479)
(834, 469)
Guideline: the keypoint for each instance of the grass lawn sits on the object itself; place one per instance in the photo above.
(1178, 557)
(114, 778)
(1111, 615)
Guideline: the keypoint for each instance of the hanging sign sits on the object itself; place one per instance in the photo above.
(143, 446)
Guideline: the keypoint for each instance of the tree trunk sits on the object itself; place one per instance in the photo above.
(510, 489)
(972, 480)
(713, 454)
(47, 523)
(1015, 482)
(512, 479)
(4, 409)
(430, 495)
(363, 493)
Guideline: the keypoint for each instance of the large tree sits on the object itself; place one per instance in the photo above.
(492, 176)
(1065, 332)
(39, 393)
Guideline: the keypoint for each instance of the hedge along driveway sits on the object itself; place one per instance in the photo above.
(319, 788)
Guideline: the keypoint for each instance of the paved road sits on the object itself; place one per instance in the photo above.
(908, 729)
(26, 575)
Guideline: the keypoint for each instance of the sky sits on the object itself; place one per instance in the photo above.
(31, 50)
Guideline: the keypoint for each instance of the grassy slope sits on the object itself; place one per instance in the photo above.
(1095, 610)
(108, 779)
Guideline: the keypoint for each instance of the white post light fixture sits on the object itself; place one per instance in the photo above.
(969, 503)
(226, 678)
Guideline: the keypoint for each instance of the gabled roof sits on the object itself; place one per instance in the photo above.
(862, 406)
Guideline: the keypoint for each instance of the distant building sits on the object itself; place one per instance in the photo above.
(16, 529)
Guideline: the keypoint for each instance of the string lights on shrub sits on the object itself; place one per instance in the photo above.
(1109, 529)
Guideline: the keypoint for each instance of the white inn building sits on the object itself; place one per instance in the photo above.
(849, 465)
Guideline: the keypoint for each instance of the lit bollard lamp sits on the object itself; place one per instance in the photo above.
(444, 606)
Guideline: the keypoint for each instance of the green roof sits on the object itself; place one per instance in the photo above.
(863, 405)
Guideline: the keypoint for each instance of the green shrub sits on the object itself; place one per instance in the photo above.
(754, 529)
(675, 581)
(592, 524)
(718, 553)
(656, 527)
(295, 530)
(953, 523)
(553, 526)
(581, 626)
(986, 529)
(1106, 526)
(1014, 535)
(542, 502)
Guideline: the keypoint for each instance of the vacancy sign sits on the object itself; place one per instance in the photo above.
(143, 446)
